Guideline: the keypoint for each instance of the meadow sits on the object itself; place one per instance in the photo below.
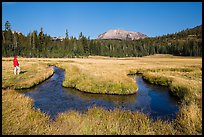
(96, 74)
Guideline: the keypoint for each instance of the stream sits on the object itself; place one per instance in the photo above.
(51, 98)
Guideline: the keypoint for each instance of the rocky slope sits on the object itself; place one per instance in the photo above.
(122, 35)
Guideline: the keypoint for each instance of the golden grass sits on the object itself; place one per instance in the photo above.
(183, 83)
(189, 120)
(97, 75)
(19, 117)
(32, 73)
(94, 79)
(183, 75)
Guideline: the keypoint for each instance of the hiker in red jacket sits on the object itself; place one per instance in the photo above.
(16, 65)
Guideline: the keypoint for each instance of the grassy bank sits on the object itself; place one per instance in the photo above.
(183, 75)
(32, 73)
(95, 80)
(19, 117)
(185, 83)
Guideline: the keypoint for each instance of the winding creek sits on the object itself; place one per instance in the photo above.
(51, 98)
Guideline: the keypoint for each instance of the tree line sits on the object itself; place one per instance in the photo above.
(37, 44)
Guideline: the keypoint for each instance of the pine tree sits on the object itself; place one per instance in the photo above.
(41, 38)
(7, 25)
(67, 37)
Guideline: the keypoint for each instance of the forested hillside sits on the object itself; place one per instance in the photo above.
(37, 44)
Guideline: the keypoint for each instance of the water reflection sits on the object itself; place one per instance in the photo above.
(52, 99)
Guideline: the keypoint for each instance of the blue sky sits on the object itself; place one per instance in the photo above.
(94, 18)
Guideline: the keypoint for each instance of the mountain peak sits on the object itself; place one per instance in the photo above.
(121, 34)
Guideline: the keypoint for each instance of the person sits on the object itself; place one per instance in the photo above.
(16, 65)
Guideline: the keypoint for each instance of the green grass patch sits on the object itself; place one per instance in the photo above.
(79, 79)
(157, 80)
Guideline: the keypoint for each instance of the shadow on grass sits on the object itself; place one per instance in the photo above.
(22, 72)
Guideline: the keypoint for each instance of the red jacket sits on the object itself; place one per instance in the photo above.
(15, 62)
